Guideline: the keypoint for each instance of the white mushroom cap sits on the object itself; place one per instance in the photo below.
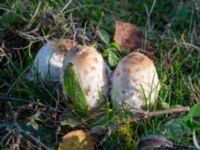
(49, 59)
(135, 82)
(93, 72)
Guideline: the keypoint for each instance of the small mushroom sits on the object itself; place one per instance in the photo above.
(85, 77)
(49, 59)
(77, 140)
(135, 82)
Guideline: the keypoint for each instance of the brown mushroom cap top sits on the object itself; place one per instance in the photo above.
(136, 60)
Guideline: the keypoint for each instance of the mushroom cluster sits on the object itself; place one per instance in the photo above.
(85, 76)
(85, 79)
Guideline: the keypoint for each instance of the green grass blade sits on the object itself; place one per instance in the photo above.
(74, 90)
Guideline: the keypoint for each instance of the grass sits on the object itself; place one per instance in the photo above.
(172, 28)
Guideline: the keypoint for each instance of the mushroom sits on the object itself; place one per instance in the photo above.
(77, 140)
(85, 77)
(135, 82)
(49, 59)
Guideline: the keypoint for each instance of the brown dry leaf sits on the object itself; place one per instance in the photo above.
(154, 141)
(77, 140)
(128, 35)
(131, 37)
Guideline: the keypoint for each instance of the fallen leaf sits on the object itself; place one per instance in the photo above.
(130, 36)
(154, 141)
(77, 140)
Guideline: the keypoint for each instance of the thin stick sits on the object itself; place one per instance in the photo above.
(4, 98)
(192, 46)
(32, 138)
(143, 115)
(26, 101)
(167, 111)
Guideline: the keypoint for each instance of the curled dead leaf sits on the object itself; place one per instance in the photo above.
(154, 141)
(77, 140)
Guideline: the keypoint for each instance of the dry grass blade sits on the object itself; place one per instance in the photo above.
(188, 45)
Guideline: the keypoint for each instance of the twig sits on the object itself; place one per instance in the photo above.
(14, 118)
(192, 46)
(32, 138)
(166, 111)
(29, 36)
(141, 116)
(5, 137)
(5, 98)
(26, 101)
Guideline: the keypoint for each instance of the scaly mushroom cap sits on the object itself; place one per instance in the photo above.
(93, 73)
(135, 82)
(49, 59)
